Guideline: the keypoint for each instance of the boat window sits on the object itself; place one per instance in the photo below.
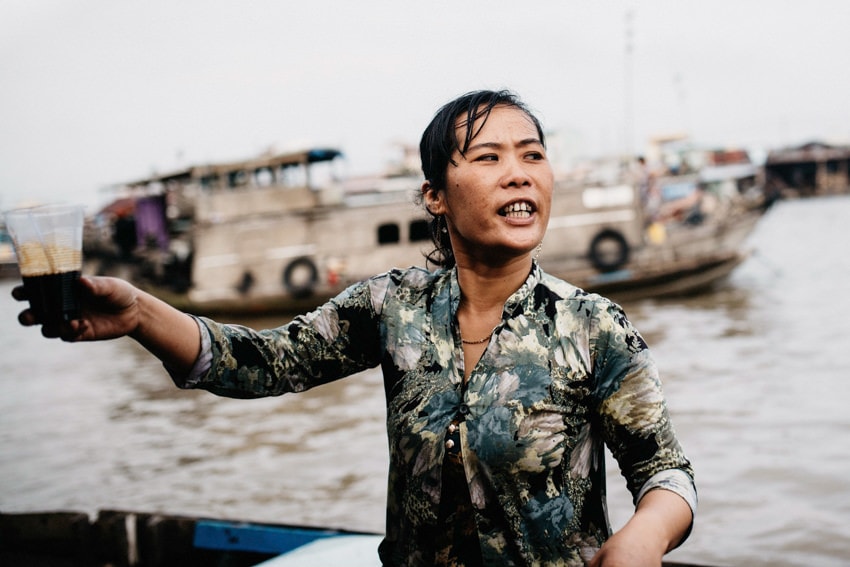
(209, 181)
(419, 231)
(388, 233)
(292, 176)
(677, 190)
(323, 174)
(237, 178)
(264, 177)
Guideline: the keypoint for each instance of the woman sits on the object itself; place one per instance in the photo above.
(503, 383)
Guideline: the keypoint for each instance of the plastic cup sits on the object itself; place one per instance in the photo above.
(48, 243)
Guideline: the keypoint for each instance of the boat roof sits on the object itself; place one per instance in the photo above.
(810, 152)
(265, 161)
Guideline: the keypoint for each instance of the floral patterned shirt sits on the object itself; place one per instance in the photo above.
(564, 373)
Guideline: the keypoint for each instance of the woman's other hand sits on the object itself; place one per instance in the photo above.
(660, 522)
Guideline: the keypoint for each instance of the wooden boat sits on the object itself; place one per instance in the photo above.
(616, 250)
(811, 170)
(285, 232)
(133, 539)
(8, 261)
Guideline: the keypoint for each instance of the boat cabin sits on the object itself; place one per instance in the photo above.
(811, 169)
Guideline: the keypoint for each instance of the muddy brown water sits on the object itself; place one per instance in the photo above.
(756, 372)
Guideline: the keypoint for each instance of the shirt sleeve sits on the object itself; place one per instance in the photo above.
(674, 480)
(202, 364)
(337, 339)
(633, 412)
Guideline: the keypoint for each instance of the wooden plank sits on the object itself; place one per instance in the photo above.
(257, 538)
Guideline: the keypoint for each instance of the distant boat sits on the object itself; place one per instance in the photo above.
(116, 537)
(810, 170)
(8, 260)
(696, 239)
(285, 232)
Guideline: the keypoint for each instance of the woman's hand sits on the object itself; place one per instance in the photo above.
(630, 547)
(113, 308)
(110, 309)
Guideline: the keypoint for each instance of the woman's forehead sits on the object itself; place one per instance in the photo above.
(500, 118)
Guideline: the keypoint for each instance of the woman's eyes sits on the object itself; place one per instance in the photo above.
(535, 156)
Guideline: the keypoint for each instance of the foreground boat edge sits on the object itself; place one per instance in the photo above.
(118, 538)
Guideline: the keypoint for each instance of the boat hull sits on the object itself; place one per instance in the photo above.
(9, 270)
(670, 280)
(124, 539)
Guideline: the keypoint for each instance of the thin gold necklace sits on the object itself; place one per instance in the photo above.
(479, 341)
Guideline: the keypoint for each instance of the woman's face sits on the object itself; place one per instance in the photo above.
(498, 196)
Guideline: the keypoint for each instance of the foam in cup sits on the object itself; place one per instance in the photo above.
(35, 259)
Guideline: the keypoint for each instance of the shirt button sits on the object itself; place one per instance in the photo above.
(450, 444)
(463, 409)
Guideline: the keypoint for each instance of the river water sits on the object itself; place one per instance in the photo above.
(756, 372)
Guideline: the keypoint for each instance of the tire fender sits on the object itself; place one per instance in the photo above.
(300, 287)
(608, 250)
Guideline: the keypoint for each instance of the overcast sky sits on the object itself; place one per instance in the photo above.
(95, 92)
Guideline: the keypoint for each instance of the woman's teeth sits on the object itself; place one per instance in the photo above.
(517, 210)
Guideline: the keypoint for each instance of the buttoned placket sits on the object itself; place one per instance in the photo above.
(452, 438)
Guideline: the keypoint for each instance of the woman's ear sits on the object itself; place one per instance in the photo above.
(432, 198)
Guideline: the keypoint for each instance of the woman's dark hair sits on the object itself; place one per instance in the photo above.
(439, 142)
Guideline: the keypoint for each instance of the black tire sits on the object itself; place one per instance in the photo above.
(300, 277)
(608, 251)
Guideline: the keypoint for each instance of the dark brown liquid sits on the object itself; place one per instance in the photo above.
(54, 298)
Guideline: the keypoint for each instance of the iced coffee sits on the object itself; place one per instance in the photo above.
(48, 245)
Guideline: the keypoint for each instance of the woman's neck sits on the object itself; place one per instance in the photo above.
(484, 291)
(485, 287)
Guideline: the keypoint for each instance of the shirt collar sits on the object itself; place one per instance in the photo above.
(525, 291)
(521, 295)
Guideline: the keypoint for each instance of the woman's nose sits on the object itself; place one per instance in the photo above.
(515, 174)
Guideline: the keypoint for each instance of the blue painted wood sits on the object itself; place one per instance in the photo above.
(258, 538)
